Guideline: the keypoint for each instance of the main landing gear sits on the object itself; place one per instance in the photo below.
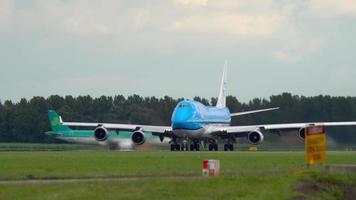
(187, 144)
(228, 147)
(213, 147)
(195, 147)
(184, 147)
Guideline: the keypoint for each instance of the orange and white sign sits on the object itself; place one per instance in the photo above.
(211, 167)
(315, 144)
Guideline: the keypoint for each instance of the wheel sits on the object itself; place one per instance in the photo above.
(216, 147)
(210, 147)
(226, 147)
(231, 147)
(184, 147)
(192, 147)
(197, 147)
(173, 147)
(177, 147)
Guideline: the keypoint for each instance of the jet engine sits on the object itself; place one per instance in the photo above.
(255, 137)
(101, 133)
(301, 134)
(138, 137)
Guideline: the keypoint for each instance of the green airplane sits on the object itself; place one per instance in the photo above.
(115, 139)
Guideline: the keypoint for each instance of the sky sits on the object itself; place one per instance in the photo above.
(177, 47)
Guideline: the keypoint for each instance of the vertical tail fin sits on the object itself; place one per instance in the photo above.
(56, 122)
(222, 93)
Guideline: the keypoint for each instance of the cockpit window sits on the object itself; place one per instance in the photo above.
(183, 106)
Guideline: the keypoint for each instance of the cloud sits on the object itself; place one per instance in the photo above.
(6, 11)
(240, 18)
(244, 25)
(77, 17)
(192, 2)
(131, 26)
(332, 8)
(301, 42)
(297, 49)
(80, 38)
(95, 18)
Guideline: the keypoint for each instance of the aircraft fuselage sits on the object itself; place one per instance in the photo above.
(193, 119)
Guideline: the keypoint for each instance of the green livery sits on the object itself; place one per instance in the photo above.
(55, 122)
(116, 140)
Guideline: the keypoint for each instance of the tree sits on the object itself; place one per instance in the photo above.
(26, 120)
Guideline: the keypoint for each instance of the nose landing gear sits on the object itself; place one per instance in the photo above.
(195, 146)
(185, 144)
(213, 147)
(174, 144)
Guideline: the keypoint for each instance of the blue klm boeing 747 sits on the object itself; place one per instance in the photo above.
(193, 122)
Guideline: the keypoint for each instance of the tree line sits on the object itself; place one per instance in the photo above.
(26, 120)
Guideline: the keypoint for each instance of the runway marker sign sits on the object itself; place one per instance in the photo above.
(211, 168)
(315, 144)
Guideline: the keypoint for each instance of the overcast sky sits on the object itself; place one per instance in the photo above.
(177, 47)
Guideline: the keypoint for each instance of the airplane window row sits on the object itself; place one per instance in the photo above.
(183, 106)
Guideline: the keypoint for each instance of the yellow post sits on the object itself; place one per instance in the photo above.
(315, 145)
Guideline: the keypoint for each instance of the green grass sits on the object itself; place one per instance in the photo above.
(42, 165)
(48, 147)
(157, 188)
(161, 175)
(266, 146)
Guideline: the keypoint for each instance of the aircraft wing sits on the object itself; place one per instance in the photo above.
(122, 127)
(244, 129)
(303, 125)
(252, 112)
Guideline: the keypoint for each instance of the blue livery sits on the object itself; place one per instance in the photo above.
(193, 115)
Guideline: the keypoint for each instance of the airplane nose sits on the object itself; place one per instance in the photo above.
(181, 116)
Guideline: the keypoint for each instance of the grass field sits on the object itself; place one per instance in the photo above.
(48, 147)
(266, 146)
(170, 175)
